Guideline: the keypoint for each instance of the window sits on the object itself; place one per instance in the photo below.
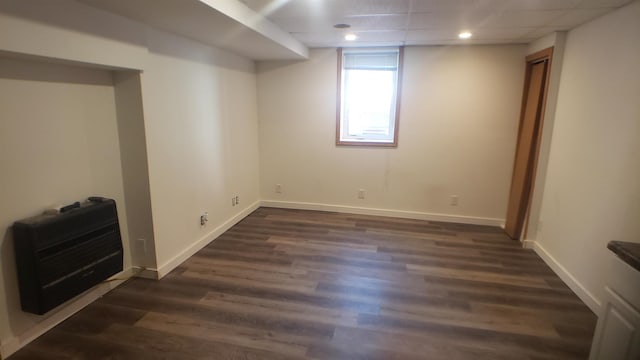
(368, 96)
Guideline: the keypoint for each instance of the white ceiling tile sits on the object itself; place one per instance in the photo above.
(437, 37)
(523, 18)
(358, 23)
(465, 42)
(367, 7)
(378, 22)
(432, 20)
(512, 33)
(537, 33)
(385, 36)
(396, 37)
(422, 36)
(541, 4)
(447, 19)
(586, 4)
(497, 34)
(455, 5)
(574, 18)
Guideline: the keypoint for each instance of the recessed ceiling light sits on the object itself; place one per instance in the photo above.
(341, 26)
(350, 37)
(464, 35)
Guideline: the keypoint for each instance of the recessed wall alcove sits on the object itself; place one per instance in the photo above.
(68, 131)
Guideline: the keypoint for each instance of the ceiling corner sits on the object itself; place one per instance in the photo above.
(225, 24)
(259, 24)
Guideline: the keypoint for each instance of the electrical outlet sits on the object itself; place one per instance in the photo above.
(454, 200)
(142, 243)
(237, 199)
(278, 188)
(361, 194)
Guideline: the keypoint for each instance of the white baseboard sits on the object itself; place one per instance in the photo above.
(147, 273)
(384, 212)
(592, 302)
(166, 268)
(15, 343)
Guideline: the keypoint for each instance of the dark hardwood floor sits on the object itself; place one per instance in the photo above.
(290, 284)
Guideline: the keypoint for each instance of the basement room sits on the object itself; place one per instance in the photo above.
(320, 179)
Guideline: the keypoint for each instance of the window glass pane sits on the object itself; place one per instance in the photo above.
(368, 100)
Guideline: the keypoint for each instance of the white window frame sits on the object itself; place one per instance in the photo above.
(342, 138)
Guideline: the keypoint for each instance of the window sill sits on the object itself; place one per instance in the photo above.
(367, 143)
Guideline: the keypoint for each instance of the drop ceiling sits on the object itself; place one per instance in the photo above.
(427, 22)
(285, 29)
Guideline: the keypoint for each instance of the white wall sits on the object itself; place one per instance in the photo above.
(458, 124)
(592, 192)
(201, 128)
(135, 169)
(200, 135)
(58, 144)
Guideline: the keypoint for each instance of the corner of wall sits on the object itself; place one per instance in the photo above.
(174, 262)
(134, 162)
(574, 284)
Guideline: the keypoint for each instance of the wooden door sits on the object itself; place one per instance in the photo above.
(531, 118)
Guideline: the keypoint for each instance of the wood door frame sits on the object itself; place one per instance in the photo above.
(535, 58)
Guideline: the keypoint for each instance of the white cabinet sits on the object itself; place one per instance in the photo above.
(617, 335)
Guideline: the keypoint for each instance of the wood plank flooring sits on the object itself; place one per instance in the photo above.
(292, 284)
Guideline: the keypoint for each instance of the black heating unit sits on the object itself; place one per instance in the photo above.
(60, 255)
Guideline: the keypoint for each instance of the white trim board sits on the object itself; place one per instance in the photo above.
(65, 311)
(591, 301)
(174, 262)
(383, 212)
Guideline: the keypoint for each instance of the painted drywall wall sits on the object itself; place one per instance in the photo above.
(58, 144)
(200, 128)
(592, 192)
(135, 171)
(458, 124)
